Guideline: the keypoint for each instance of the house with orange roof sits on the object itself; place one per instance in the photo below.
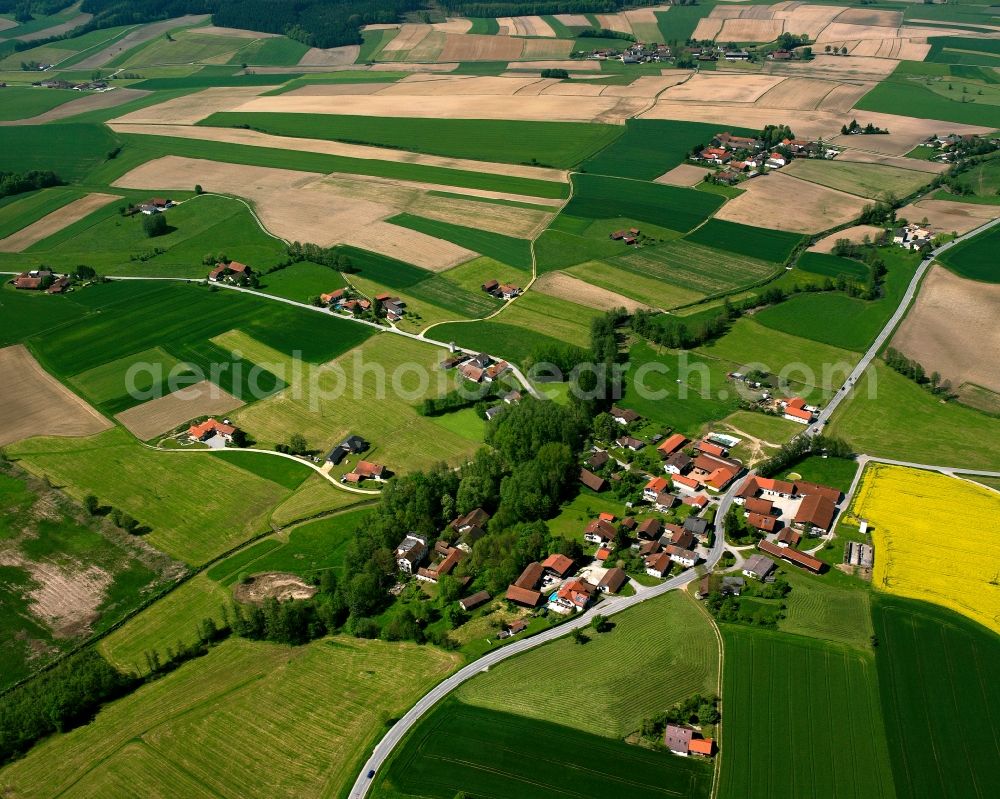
(654, 487)
(558, 565)
(670, 445)
(685, 484)
(572, 596)
(210, 428)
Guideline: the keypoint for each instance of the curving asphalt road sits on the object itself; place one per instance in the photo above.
(609, 607)
(826, 414)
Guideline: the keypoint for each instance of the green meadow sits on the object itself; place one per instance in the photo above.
(554, 144)
(976, 258)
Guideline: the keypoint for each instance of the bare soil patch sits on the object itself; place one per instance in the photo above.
(708, 27)
(192, 108)
(303, 206)
(567, 287)
(332, 57)
(474, 47)
(648, 86)
(751, 30)
(237, 33)
(546, 48)
(812, 124)
(865, 16)
(573, 20)
(804, 18)
(947, 216)
(56, 30)
(255, 139)
(797, 93)
(614, 22)
(915, 164)
(409, 36)
(453, 25)
(844, 96)
(56, 221)
(163, 414)
(722, 88)
(337, 89)
(273, 585)
(814, 208)
(33, 403)
(854, 234)
(847, 30)
(533, 26)
(89, 102)
(683, 175)
(950, 312)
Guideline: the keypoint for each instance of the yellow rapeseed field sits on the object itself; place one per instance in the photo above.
(936, 538)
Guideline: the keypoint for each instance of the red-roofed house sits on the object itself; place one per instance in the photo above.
(209, 428)
(816, 511)
(573, 595)
(709, 448)
(593, 481)
(599, 531)
(559, 565)
(687, 485)
(762, 522)
(523, 596)
(705, 747)
(655, 487)
(792, 556)
(718, 479)
(658, 564)
(671, 445)
(799, 415)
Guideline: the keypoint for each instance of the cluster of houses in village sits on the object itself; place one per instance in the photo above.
(42, 280)
(479, 368)
(952, 147)
(502, 291)
(344, 301)
(59, 83)
(634, 53)
(743, 157)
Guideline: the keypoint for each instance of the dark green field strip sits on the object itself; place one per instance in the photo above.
(484, 26)
(382, 269)
(601, 197)
(678, 27)
(942, 47)
(182, 318)
(755, 242)
(232, 566)
(555, 144)
(821, 263)
(976, 258)
(198, 80)
(793, 689)
(20, 210)
(22, 102)
(283, 471)
(140, 149)
(908, 98)
(651, 147)
(938, 677)
(486, 753)
(506, 341)
(506, 249)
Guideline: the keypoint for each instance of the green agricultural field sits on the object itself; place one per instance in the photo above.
(799, 360)
(818, 609)
(237, 719)
(678, 27)
(684, 390)
(896, 418)
(600, 197)
(651, 147)
(506, 249)
(551, 316)
(499, 338)
(26, 102)
(112, 244)
(105, 385)
(562, 145)
(936, 673)
(302, 281)
(70, 150)
(695, 267)
(755, 242)
(162, 490)
(648, 289)
(187, 47)
(171, 619)
(961, 50)
(28, 314)
(141, 148)
(458, 747)
(206, 78)
(667, 635)
(864, 180)
(278, 51)
(982, 180)
(373, 42)
(283, 471)
(466, 423)
(21, 210)
(839, 320)
(793, 689)
(473, 274)
(376, 402)
(834, 472)
(772, 429)
(307, 550)
(316, 496)
(51, 547)
(559, 248)
(976, 257)
(383, 269)
(576, 513)
(439, 290)
(832, 266)
(908, 97)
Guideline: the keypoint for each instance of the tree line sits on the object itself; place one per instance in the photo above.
(19, 182)
(912, 369)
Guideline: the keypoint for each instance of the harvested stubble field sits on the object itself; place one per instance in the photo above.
(301, 206)
(695, 267)
(931, 729)
(379, 408)
(949, 313)
(855, 234)
(722, 88)
(864, 180)
(906, 510)
(55, 221)
(190, 108)
(868, 157)
(459, 747)
(686, 175)
(947, 216)
(648, 290)
(564, 286)
(163, 414)
(811, 93)
(236, 720)
(905, 133)
(79, 105)
(761, 708)
(33, 403)
(666, 635)
(815, 208)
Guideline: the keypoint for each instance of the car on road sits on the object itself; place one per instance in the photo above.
(371, 773)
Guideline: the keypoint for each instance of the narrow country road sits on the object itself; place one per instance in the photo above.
(609, 607)
(887, 331)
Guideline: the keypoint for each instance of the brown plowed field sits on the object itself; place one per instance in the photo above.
(56, 221)
(567, 287)
(163, 414)
(33, 403)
